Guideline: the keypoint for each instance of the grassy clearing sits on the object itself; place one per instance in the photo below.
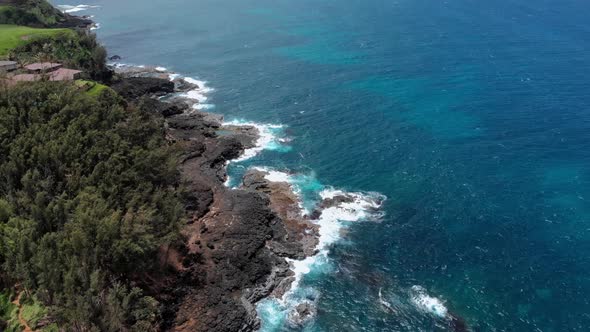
(96, 90)
(12, 36)
(91, 88)
(8, 313)
(33, 312)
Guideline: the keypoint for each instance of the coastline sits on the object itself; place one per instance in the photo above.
(264, 217)
(213, 238)
(240, 245)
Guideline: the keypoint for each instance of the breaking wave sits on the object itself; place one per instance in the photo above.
(338, 215)
(75, 8)
(270, 137)
(427, 303)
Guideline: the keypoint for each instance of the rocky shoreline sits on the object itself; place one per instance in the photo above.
(236, 241)
(238, 245)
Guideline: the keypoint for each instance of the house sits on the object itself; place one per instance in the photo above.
(26, 78)
(6, 82)
(6, 66)
(46, 71)
(64, 74)
(61, 74)
(42, 67)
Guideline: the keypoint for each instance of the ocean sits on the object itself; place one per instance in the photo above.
(472, 118)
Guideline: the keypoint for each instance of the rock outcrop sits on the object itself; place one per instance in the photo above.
(236, 240)
(297, 237)
(133, 88)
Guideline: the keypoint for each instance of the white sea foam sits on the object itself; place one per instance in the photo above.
(128, 66)
(332, 220)
(297, 182)
(227, 182)
(275, 176)
(427, 303)
(173, 76)
(198, 94)
(364, 206)
(268, 138)
(202, 107)
(95, 26)
(75, 8)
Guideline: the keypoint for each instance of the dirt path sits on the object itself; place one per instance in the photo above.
(21, 320)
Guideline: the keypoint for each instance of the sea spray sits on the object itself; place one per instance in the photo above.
(304, 186)
(197, 92)
(338, 210)
(69, 9)
(432, 305)
(345, 207)
(270, 137)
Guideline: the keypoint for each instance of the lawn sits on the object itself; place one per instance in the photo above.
(12, 36)
(90, 87)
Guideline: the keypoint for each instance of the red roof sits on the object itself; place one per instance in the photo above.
(43, 66)
(25, 78)
(63, 74)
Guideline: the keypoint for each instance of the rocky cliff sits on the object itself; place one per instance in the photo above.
(235, 240)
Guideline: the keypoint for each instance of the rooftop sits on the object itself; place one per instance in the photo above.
(25, 78)
(63, 74)
(43, 66)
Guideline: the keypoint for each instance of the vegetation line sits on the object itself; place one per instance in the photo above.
(21, 320)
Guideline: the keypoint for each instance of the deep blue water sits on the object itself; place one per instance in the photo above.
(472, 117)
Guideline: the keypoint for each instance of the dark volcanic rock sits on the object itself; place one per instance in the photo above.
(302, 314)
(115, 58)
(189, 126)
(71, 21)
(132, 88)
(295, 237)
(233, 238)
(162, 108)
(247, 135)
(234, 244)
(198, 198)
(335, 201)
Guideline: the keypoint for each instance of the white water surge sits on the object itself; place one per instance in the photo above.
(333, 220)
(427, 303)
(346, 208)
(269, 138)
(199, 94)
(75, 8)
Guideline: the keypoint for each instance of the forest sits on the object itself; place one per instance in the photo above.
(89, 193)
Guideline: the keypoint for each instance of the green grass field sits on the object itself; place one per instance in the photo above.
(12, 36)
(91, 88)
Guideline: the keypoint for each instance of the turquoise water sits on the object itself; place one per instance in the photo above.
(471, 117)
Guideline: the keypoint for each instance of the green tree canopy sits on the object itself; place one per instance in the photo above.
(88, 194)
